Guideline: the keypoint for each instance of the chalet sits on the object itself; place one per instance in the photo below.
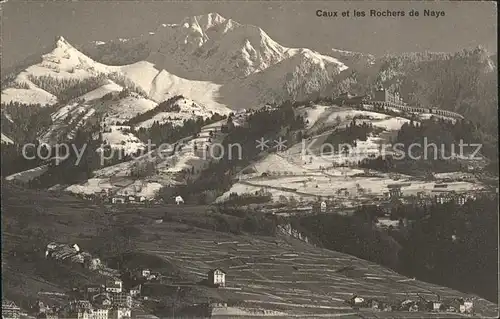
(143, 273)
(179, 200)
(217, 277)
(114, 286)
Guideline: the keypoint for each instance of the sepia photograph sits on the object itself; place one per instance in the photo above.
(249, 159)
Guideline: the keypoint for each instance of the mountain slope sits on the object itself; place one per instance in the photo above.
(206, 47)
(273, 273)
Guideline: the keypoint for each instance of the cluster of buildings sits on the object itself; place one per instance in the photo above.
(440, 194)
(383, 97)
(134, 199)
(72, 253)
(10, 310)
(459, 305)
(101, 302)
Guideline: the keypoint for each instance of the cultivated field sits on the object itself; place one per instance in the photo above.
(285, 274)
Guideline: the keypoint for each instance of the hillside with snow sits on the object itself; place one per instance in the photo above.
(237, 65)
(85, 91)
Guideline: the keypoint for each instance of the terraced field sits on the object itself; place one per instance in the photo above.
(287, 275)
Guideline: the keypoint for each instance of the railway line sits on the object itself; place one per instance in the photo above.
(415, 109)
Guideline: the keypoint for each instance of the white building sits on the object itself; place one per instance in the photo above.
(114, 286)
(99, 313)
(179, 200)
(217, 277)
(117, 200)
(466, 306)
(323, 207)
(120, 313)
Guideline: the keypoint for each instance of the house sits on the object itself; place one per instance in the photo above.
(394, 191)
(102, 299)
(217, 277)
(121, 299)
(114, 286)
(93, 263)
(10, 310)
(52, 246)
(131, 199)
(99, 313)
(374, 304)
(143, 273)
(81, 309)
(120, 313)
(436, 306)
(356, 301)
(441, 196)
(92, 290)
(48, 315)
(135, 291)
(461, 199)
(414, 308)
(40, 307)
(406, 304)
(323, 207)
(383, 95)
(77, 258)
(118, 200)
(179, 200)
(466, 306)
(76, 247)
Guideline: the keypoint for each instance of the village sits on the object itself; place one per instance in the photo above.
(122, 292)
(125, 290)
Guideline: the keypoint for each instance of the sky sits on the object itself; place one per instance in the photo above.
(30, 27)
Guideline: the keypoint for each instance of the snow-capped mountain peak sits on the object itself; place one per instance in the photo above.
(204, 22)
